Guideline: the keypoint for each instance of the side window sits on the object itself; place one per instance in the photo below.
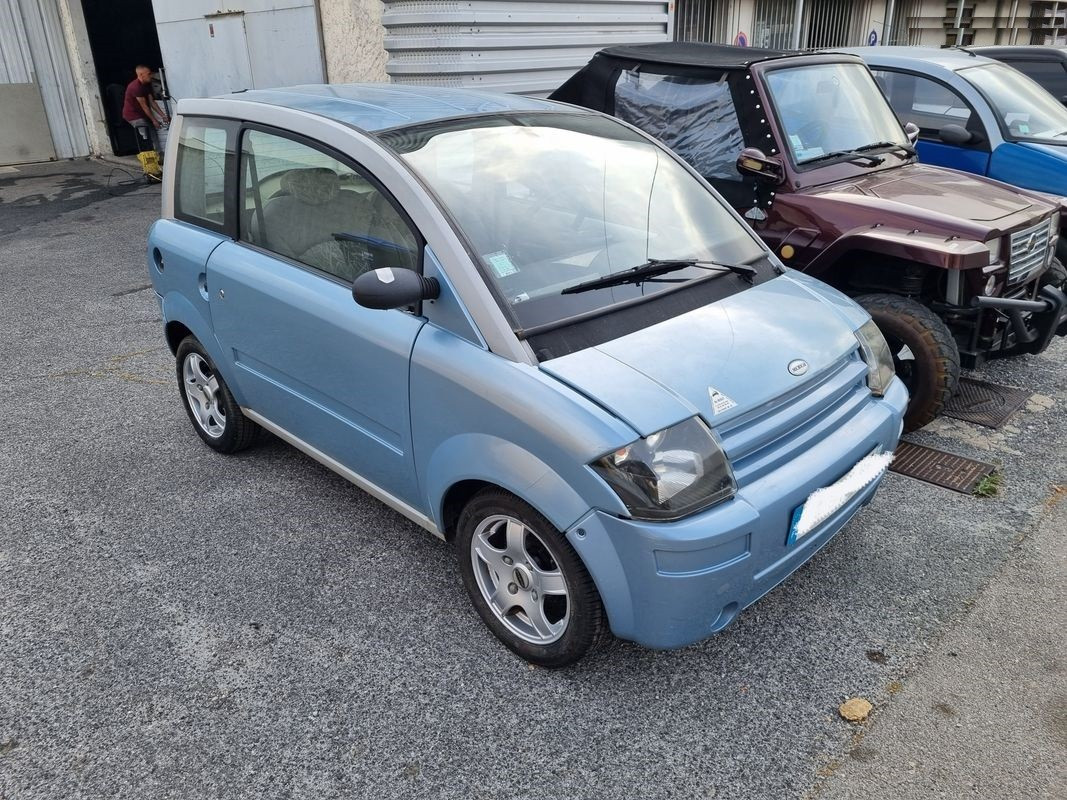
(1052, 75)
(694, 117)
(927, 103)
(301, 203)
(204, 149)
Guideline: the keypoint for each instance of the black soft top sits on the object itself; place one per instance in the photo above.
(694, 54)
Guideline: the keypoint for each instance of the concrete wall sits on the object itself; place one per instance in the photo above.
(353, 40)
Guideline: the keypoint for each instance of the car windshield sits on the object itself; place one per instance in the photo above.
(1025, 109)
(831, 108)
(552, 200)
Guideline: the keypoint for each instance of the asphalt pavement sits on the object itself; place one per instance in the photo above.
(175, 623)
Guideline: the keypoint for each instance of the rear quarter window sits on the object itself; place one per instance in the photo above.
(694, 117)
(204, 160)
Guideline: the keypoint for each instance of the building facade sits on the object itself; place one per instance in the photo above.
(64, 63)
(841, 23)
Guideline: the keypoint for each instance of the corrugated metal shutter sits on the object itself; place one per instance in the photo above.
(35, 71)
(511, 46)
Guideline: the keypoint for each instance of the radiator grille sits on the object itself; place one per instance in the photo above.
(1030, 251)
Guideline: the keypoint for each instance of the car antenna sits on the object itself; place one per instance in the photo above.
(965, 50)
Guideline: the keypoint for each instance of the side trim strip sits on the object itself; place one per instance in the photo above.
(327, 461)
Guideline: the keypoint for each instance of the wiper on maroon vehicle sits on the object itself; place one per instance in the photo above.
(907, 148)
(654, 267)
(846, 155)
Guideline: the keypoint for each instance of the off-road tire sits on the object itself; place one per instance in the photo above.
(935, 371)
(238, 431)
(587, 627)
(1055, 275)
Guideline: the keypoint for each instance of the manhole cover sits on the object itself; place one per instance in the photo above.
(985, 403)
(939, 467)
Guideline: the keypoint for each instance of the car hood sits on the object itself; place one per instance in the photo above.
(719, 360)
(940, 191)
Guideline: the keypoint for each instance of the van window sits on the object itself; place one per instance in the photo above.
(304, 204)
(204, 148)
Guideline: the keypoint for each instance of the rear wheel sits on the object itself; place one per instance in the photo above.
(215, 415)
(526, 581)
(925, 355)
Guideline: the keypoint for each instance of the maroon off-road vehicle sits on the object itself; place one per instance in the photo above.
(954, 268)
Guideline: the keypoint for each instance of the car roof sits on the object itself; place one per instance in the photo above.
(950, 58)
(692, 54)
(1035, 50)
(376, 106)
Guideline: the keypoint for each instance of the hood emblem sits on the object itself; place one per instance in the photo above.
(1031, 242)
(797, 366)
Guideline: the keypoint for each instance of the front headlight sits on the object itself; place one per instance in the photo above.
(878, 357)
(677, 471)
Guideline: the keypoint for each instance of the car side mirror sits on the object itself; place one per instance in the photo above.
(958, 135)
(911, 130)
(753, 161)
(393, 287)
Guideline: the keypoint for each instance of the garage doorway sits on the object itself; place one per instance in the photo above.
(122, 34)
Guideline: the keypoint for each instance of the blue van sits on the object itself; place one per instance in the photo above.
(532, 330)
(975, 114)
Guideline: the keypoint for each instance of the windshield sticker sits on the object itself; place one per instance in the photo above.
(501, 264)
(719, 402)
(804, 153)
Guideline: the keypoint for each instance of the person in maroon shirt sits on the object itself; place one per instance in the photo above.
(140, 108)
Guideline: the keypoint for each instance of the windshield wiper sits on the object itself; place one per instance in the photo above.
(652, 268)
(855, 155)
(891, 145)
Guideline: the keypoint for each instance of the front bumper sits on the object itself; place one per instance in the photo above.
(1028, 326)
(667, 585)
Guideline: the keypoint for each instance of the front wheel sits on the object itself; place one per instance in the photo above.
(925, 355)
(1055, 275)
(526, 581)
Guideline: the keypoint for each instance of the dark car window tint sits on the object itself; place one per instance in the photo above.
(1050, 74)
(203, 149)
(929, 104)
(695, 118)
(303, 204)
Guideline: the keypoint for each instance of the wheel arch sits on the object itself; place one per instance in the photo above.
(467, 463)
(182, 319)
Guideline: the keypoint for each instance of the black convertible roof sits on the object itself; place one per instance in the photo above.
(694, 54)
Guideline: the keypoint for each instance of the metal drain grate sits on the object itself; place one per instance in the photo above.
(939, 467)
(985, 403)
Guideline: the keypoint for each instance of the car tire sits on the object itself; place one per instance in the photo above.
(1055, 275)
(215, 415)
(925, 355)
(527, 582)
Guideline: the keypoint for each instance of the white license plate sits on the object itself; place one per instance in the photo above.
(825, 502)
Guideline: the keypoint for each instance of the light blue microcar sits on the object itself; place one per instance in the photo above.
(532, 330)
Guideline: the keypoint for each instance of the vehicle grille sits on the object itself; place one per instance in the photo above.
(1030, 251)
(767, 437)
